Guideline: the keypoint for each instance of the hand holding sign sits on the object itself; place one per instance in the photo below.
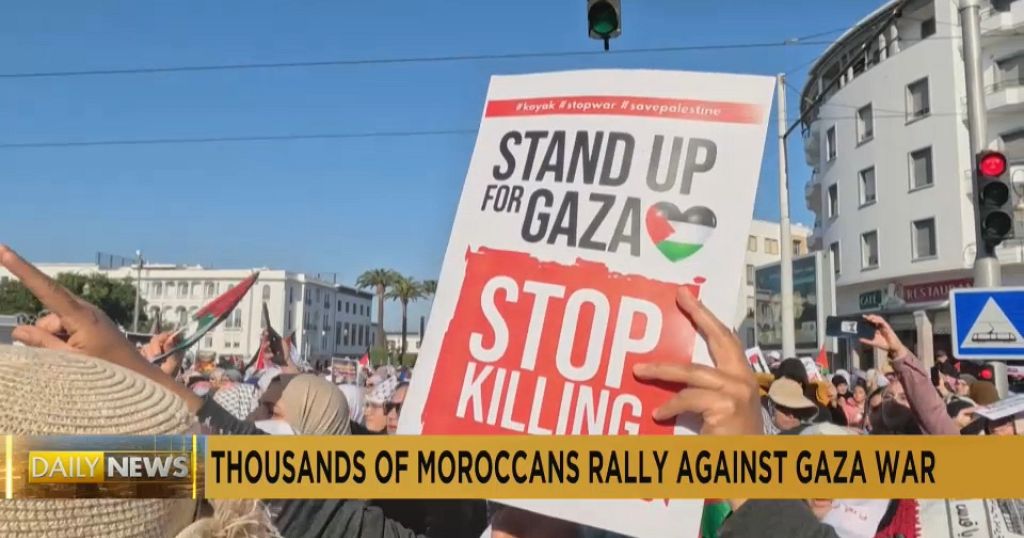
(725, 397)
(885, 338)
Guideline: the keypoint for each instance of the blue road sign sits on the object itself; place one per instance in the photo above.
(987, 323)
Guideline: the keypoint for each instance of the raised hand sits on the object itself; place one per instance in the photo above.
(726, 397)
(885, 338)
(77, 326)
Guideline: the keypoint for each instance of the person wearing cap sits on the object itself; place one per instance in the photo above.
(790, 407)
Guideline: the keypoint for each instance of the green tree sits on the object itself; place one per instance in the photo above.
(429, 288)
(116, 298)
(16, 299)
(380, 281)
(405, 290)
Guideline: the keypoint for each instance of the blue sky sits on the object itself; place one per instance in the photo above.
(323, 205)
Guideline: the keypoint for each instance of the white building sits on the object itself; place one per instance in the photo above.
(412, 342)
(328, 319)
(888, 144)
(763, 248)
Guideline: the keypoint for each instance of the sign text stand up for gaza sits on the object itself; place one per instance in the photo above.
(591, 198)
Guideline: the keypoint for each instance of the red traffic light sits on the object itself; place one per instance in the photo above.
(985, 374)
(992, 164)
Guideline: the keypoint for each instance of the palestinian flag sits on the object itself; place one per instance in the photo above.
(679, 234)
(211, 315)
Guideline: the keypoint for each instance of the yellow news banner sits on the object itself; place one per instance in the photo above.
(659, 467)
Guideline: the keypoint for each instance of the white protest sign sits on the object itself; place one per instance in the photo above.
(971, 518)
(1003, 408)
(591, 197)
(813, 372)
(756, 359)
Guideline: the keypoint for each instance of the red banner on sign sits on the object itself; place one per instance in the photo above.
(543, 348)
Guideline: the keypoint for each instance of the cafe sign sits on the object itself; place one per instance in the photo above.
(871, 300)
(933, 291)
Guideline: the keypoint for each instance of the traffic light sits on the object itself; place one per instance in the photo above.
(987, 373)
(604, 19)
(995, 200)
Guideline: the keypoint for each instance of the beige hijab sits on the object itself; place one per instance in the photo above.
(314, 406)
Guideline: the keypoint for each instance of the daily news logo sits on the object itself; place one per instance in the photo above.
(83, 467)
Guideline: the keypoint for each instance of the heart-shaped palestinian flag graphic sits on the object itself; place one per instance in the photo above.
(679, 234)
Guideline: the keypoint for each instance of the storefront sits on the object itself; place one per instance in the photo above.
(917, 311)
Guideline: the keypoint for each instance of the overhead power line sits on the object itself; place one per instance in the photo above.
(794, 42)
(219, 139)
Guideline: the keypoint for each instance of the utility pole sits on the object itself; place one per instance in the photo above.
(785, 236)
(987, 272)
(138, 291)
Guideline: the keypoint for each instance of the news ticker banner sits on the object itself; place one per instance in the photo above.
(512, 467)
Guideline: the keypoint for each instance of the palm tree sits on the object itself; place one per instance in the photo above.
(380, 280)
(405, 290)
(429, 287)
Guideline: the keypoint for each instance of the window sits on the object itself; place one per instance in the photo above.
(865, 124)
(234, 320)
(1011, 72)
(305, 296)
(196, 290)
(327, 301)
(833, 200)
(917, 99)
(158, 288)
(318, 295)
(183, 289)
(344, 339)
(927, 28)
(266, 292)
(867, 186)
(1013, 144)
(830, 144)
(182, 316)
(923, 238)
(751, 243)
(208, 342)
(347, 306)
(837, 263)
(798, 247)
(339, 306)
(771, 246)
(750, 306)
(921, 168)
(288, 319)
(209, 289)
(337, 334)
(750, 274)
(869, 250)
(291, 295)
(169, 289)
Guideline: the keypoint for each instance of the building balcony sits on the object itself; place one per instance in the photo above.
(816, 240)
(812, 193)
(812, 144)
(1002, 23)
(1005, 96)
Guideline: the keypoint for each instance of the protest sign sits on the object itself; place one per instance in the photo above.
(591, 197)
(1003, 408)
(756, 359)
(813, 372)
(975, 518)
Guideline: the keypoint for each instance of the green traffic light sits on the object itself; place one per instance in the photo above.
(603, 19)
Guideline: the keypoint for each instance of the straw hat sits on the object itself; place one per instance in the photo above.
(47, 393)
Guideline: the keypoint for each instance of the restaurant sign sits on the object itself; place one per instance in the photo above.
(933, 291)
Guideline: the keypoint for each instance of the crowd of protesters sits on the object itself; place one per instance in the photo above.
(282, 398)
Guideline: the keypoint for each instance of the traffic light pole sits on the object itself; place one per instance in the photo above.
(987, 271)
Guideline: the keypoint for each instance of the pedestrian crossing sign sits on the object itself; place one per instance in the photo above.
(987, 323)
